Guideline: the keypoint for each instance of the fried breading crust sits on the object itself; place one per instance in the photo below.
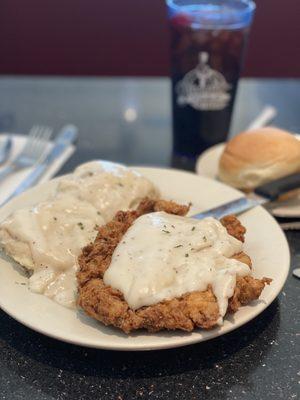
(234, 227)
(196, 309)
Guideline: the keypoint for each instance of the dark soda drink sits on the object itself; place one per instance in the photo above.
(207, 45)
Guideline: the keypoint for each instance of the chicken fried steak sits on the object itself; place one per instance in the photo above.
(191, 310)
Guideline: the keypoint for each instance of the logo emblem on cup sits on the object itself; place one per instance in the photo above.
(203, 88)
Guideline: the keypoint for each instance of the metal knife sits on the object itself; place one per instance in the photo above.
(66, 136)
(5, 149)
(266, 195)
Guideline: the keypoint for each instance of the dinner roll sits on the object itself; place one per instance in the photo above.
(255, 157)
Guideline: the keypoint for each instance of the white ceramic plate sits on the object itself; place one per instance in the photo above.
(265, 243)
(13, 180)
(208, 164)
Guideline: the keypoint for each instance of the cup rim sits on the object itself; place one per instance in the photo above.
(234, 18)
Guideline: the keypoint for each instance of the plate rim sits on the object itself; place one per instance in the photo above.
(180, 342)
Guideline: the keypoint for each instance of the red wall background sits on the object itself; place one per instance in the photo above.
(128, 37)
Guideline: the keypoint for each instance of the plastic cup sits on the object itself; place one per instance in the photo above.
(207, 47)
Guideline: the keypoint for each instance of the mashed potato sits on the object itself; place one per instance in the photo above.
(47, 238)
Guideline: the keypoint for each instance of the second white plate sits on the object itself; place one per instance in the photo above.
(13, 180)
(208, 165)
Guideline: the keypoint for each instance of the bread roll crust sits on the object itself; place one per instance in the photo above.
(255, 157)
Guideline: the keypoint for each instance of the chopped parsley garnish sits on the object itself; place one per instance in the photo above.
(81, 226)
(165, 231)
(179, 245)
(186, 255)
(193, 228)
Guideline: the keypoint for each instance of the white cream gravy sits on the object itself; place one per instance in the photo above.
(47, 238)
(163, 256)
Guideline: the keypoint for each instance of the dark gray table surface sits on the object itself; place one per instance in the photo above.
(128, 120)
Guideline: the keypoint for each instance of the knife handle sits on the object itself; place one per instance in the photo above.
(274, 189)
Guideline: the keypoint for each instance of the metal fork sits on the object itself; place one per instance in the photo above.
(33, 151)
